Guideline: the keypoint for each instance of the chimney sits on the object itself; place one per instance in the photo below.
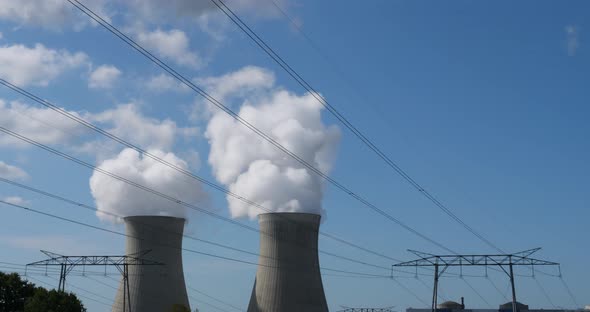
(462, 303)
(288, 277)
(155, 288)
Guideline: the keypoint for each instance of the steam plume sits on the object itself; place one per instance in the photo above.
(253, 168)
(126, 200)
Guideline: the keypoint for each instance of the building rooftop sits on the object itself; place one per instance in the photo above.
(450, 305)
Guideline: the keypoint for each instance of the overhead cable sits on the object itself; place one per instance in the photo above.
(215, 299)
(91, 208)
(166, 163)
(167, 245)
(97, 18)
(364, 139)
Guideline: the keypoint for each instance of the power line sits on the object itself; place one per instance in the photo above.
(22, 271)
(163, 65)
(195, 299)
(409, 291)
(81, 162)
(92, 208)
(283, 64)
(497, 289)
(338, 70)
(476, 292)
(58, 109)
(191, 297)
(207, 303)
(89, 292)
(82, 296)
(102, 283)
(355, 276)
(163, 161)
(97, 18)
(216, 299)
(368, 142)
(166, 245)
(48, 269)
(545, 294)
(569, 291)
(429, 288)
(327, 60)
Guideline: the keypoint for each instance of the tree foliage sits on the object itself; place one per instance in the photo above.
(17, 295)
(53, 301)
(14, 292)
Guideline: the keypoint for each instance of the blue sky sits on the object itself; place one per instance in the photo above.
(483, 103)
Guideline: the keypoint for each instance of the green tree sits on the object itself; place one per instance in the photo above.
(14, 292)
(17, 295)
(53, 301)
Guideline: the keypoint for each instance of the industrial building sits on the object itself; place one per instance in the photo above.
(452, 306)
(288, 276)
(154, 288)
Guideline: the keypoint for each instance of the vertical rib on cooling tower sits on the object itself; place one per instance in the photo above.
(288, 277)
(157, 288)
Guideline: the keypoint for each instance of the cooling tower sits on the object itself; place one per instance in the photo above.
(155, 288)
(288, 277)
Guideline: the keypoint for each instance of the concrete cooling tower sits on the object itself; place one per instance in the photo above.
(288, 277)
(155, 288)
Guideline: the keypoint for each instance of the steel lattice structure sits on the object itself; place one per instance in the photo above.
(122, 263)
(505, 261)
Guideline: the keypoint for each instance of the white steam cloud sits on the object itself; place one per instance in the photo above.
(123, 199)
(257, 170)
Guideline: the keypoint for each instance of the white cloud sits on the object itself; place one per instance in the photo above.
(192, 158)
(59, 14)
(154, 9)
(572, 40)
(12, 172)
(257, 170)
(103, 77)
(251, 81)
(165, 83)
(36, 65)
(36, 12)
(128, 122)
(157, 9)
(16, 200)
(173, 44)
(125, 200)
(40, 124)
(51, 14)
(1, 35)
(239, 83)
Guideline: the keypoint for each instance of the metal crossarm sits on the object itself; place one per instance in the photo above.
(122, 263)
(521, 258)
(505, 261)
(57, 259)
